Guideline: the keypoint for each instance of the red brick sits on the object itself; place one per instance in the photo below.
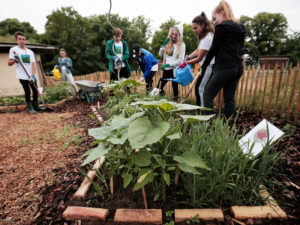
(257, 212)
(153, 216)
(85, 213)
(203, 214)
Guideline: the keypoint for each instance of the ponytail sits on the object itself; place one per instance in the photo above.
(202, 19)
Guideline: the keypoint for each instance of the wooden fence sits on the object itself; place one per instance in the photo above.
(273, 93)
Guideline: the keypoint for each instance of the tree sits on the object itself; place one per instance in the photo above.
(9, 26)
(291, 47)
(265, 34)
(66, 29)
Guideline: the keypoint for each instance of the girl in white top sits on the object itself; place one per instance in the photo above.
(205, 33)
(174, 50)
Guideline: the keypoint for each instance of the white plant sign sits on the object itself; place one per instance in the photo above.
(259, 136)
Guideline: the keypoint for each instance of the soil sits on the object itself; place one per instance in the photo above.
(39, 175)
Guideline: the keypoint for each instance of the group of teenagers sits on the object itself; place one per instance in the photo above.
(219, 54)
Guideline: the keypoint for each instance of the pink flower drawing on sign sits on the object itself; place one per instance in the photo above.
(260, 136)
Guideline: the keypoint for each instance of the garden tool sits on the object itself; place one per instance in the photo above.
(35, 104)
(191, 87)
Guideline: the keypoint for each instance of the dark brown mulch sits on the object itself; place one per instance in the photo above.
(55, 197)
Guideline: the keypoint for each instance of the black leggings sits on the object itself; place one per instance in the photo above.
(168, 74)
(228, 80)
(26, 86)
(149, 80)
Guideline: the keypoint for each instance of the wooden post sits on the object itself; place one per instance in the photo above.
(297, 107)
(246, 89)
(255, 88)
(265, 88)
(241, 92)
(272, 91)
(286, 87)
(278, 89)
(260, 87)
(293, 92)
(252, 78)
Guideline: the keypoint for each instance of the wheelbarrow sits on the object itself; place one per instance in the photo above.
(87, 87)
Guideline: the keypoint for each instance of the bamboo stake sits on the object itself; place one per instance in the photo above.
(265, 88)
(255, 88)
(278, 89)
(246, 89)
(111, 182)
(286, 88)
(144, 196)
(293, 92)
(272, 90)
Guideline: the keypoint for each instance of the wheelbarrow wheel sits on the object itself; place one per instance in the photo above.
(81, 94)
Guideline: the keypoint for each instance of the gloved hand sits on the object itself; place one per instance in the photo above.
(166, 41)
(32, 79)
(164, 66)
(187, 58)
(182, 65)
(142, 79)
(118, 61)
(16, 59)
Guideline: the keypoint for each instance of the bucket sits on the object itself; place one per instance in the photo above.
(183, 76)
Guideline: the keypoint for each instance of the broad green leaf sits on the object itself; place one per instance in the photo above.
(145, 176)
(126, 179)
(132, 82)
(114, 139)
(143, 158)
(186, 168)
(163, 104)
(174, 136)
(120, 121)
(182, 107)
(141, 132)
(197, 118)
(96, 153)
(192, 159)
(167, 178)
(100, 133)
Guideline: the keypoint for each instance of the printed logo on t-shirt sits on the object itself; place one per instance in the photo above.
(118, 49)
(25, 58)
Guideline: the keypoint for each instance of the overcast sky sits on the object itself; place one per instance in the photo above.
(158, 11)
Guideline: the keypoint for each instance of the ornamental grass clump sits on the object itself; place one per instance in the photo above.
(234, 178)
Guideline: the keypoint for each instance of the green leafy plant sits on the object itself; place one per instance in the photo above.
(141, 143)
(15, 100)
(194, 219)
(57, 93)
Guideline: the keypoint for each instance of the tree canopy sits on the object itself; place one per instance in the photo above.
(85, 38)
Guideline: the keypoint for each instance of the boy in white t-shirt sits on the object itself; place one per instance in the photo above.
(21, 54)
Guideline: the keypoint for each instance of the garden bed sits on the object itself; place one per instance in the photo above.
(125, 198)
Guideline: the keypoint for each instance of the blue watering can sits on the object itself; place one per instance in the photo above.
(183, 76)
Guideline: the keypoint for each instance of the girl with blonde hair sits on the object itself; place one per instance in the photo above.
(227, 48)
(173, 49)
